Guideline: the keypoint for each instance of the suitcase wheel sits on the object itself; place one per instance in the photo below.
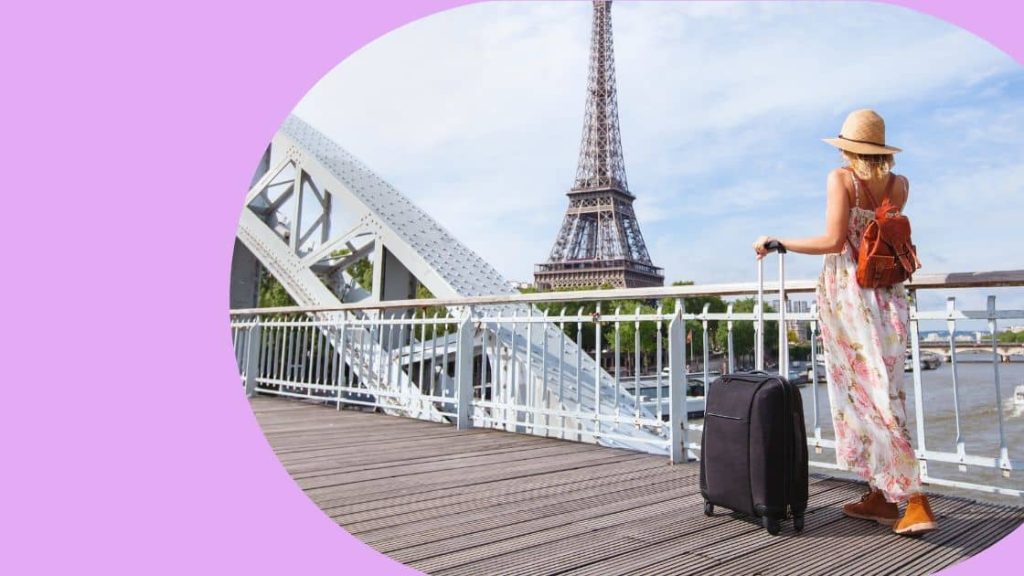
(772, 525)
(798, 523)
(709, 508)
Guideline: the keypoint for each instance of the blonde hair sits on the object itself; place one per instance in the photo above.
(870, 166)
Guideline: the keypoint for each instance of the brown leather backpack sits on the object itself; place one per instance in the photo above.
(887, 255)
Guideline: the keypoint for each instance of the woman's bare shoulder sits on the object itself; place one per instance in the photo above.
(839, 182)
(901, 190)
(839, 177)
(839, 174)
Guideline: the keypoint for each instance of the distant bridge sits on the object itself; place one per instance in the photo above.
(1005, 351)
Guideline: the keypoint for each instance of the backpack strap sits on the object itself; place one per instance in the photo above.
(856, 186)
(887, 194)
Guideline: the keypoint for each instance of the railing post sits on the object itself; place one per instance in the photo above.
(961, 449)
(464, 372)
(814, 376)
(915, 355)
(252, 357)
(677, 417)
(1004, 454)
(339, 361)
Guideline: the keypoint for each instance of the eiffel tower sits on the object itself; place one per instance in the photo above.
(599, 241)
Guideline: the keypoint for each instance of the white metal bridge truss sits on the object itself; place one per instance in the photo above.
(312, 213)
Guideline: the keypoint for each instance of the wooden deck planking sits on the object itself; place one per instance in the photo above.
(977, 528)
(516, 502)
(480, 501)
(690, 551)
(659, 523)
(389, 504)
(830, 544)
(535, 527)
(562, 482)
(406, 484)
(706, 532)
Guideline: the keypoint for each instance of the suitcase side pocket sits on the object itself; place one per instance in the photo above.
(769, 457)
(799, 487)
(726, 466)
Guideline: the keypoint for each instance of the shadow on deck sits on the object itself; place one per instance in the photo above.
(487, 502)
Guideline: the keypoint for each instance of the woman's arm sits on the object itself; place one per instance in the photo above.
(837, 215)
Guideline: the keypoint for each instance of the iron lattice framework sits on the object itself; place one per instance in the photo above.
(600, 241)
(314, 212)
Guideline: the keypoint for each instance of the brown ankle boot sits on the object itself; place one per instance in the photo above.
(872, 506)
(918, 518)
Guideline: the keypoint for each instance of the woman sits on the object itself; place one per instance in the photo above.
(864, 331)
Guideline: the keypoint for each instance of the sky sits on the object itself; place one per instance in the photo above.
(476, 114)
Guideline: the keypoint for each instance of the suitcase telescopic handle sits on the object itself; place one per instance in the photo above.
(772, 246)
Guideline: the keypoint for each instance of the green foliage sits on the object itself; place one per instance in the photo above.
(628, 332)
(743, 332)
(422, 293)
(695, 328)
(627, 329)
(1008, 337)
(362, 273)
(572, 308)
(800, 352)
(272, 293)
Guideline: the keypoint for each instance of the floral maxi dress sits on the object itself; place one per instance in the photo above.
(864, 331)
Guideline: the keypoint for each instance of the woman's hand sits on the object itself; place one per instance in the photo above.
(759, 246)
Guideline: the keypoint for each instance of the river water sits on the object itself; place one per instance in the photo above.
(979, 419)
(979, 423)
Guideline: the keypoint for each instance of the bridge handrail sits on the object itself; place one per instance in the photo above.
(292, 351)
(999, 278)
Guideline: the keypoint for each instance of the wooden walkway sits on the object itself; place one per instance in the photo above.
(484, 502)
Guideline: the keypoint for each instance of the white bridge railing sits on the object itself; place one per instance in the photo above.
(453, 362)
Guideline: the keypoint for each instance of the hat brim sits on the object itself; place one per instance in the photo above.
(860, 147)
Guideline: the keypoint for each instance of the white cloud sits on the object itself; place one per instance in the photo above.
(476, 114)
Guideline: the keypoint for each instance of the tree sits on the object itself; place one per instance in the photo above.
(799, 351)
(627, 329)
(572, 308)
(695, 305)
(1006, 337)
(272, 293)
(628, 333)
(422, 293)
(360, 271)
(743, 332)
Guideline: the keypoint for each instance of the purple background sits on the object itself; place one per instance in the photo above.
(129, 137)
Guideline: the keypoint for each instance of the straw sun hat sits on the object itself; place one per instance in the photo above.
(863, 133)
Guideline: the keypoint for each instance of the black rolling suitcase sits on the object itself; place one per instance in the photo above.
(754, 446)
